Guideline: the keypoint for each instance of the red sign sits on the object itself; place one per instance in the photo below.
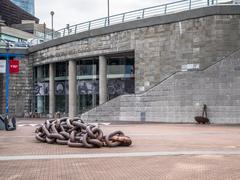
(14, 66)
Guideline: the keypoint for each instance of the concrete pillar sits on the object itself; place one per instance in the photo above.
(51, 90)
(102, 79)
(40, 102)
(72, 80)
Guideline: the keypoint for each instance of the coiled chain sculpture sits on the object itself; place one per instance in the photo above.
(74, 132)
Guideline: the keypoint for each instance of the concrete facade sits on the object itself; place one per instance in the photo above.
(162, 46)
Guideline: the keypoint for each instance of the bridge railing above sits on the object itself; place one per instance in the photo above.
(164, 9)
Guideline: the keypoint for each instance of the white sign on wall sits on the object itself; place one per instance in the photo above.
(2, 66)
(190, 67)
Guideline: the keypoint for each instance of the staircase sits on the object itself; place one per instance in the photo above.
(180, 97)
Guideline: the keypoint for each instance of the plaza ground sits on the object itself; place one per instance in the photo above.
(159, 151)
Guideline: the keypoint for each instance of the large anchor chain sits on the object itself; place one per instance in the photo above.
(74, 132)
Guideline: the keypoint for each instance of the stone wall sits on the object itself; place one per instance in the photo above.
(160, 50)
(20, 89)
(1, 94)
(180, 98)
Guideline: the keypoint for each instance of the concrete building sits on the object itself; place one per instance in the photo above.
(38, 30)
(14, 35)
(16, 40)
(161, 69)
(12, 14)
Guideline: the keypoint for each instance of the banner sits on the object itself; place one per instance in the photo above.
(2, 66)
(14, 66)
(60, 88)
(41, 89)
(87, 87)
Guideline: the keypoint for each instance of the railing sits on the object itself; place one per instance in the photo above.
(164, 9)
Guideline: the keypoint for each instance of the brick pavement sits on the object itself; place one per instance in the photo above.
(159, 151)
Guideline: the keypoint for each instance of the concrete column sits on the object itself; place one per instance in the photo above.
(40, 105)
(51, 90)
(72, 80)
(102, 79)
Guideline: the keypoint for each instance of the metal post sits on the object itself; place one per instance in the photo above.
(64, 32)
(7, 79)
(7, 82)
(52, 13)
(108, 13)
(89, 25)
(67, 27)
(143, 13)
(123, 17)
(105, 22)
(190, 4)
(44, 30)
(75, 29)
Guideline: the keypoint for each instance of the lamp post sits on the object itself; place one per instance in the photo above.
(108, 12)
(52, 13)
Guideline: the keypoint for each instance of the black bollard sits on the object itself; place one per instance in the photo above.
(14, 123)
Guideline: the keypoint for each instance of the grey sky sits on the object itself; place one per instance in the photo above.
(77, 11)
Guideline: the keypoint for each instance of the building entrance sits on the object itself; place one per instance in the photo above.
(120, 80)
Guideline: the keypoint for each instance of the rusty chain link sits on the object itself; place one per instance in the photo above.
(74, 132)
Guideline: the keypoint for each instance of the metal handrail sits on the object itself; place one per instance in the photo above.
(164, 9)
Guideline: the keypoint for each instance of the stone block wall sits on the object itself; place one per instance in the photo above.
(20, 89)
(180, 98)
(161, 50)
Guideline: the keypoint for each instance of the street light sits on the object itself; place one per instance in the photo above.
(108, 12)
(52, 13)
